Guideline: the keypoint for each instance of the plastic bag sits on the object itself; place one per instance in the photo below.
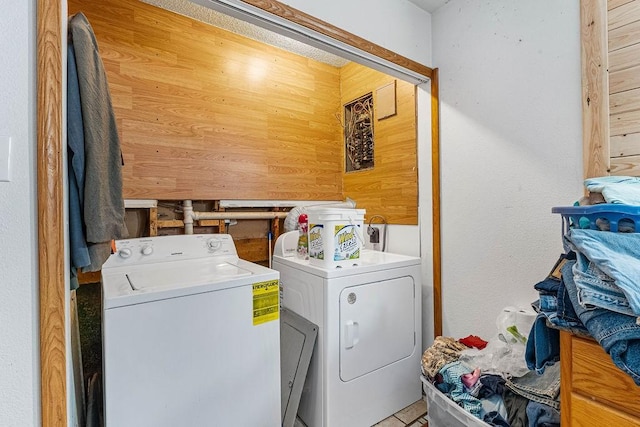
(504, 353)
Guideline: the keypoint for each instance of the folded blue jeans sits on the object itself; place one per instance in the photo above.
(554, 301)
(544, 388)
(607, 269)
(618, 334)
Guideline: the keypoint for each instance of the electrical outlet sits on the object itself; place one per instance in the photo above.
(374, 235)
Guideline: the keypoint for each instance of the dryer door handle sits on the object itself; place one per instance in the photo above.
(351, 335)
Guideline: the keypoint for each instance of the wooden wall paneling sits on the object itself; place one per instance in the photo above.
(623, 57)
(624, 80)
(612, 4)
(624, 89)
(627, 35)
(625, 166)
(51, 276)
(254, 250)
(624, 123)
(622, 15)
(624, 102)
(625, 145)
(389, 189)
(207, 114)
(594, 88)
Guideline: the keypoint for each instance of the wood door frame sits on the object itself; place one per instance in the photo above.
(50, 143)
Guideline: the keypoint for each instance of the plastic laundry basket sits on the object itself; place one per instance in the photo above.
(444, 412)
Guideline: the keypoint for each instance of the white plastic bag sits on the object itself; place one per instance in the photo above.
(504, 353)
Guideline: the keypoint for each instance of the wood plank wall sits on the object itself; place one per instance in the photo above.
(623, 27)
(206, 114)
(389, 189)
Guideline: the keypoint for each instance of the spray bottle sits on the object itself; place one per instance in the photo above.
(303, 239)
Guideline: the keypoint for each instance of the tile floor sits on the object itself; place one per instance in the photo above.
(413, 415)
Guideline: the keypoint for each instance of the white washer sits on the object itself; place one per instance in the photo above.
(366, 363)
(190, 335)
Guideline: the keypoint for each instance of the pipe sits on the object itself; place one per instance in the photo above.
(269, 238)
(187, 216)
(237, 215)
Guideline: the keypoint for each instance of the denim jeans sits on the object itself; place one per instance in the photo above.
(543, 345)
(495, 419)
(607, 269)
(543, 388)
(554, 301)
(618, 334)
(540, 414)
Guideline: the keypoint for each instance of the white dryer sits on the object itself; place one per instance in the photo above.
(366, 363)
(190, 335)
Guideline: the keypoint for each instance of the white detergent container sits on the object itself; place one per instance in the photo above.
(335, 236)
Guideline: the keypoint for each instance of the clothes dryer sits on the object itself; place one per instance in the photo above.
(190, 335)
(366, 363)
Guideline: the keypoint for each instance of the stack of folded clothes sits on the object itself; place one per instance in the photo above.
(594, 289)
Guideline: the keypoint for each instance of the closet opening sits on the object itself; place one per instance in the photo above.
(54, 313)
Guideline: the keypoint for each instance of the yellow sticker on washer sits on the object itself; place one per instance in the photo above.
(266, 301)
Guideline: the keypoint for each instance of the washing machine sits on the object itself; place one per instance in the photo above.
(366, 363)
(190, 335)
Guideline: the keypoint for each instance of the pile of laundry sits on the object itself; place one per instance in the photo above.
(594, 288)
(490, 380)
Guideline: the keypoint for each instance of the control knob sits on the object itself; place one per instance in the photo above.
(213, 244)
(124, 253)
(146, 250)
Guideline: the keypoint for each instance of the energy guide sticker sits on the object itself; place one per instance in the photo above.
(266, 301)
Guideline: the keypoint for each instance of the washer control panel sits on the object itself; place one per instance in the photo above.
(166, 248)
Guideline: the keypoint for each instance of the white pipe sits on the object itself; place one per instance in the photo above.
(188, 216)
(269, 238)
(237, 215)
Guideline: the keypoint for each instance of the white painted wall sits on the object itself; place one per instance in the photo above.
(397, 25)
(19, 351)
(511, 149)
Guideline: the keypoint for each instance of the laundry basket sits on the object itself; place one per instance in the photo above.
(604, 217)
(444, 412)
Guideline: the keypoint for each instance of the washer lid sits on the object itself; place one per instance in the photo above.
(167, 276)
(151, 282)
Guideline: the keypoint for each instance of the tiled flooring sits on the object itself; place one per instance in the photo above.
(413, 415)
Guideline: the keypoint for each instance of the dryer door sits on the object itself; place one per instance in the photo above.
(377, 325)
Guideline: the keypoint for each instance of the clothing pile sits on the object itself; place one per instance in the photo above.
(594, 290)
(459, 369)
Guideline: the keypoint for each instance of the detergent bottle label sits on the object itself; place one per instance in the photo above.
(346, 243)
(316, 250)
